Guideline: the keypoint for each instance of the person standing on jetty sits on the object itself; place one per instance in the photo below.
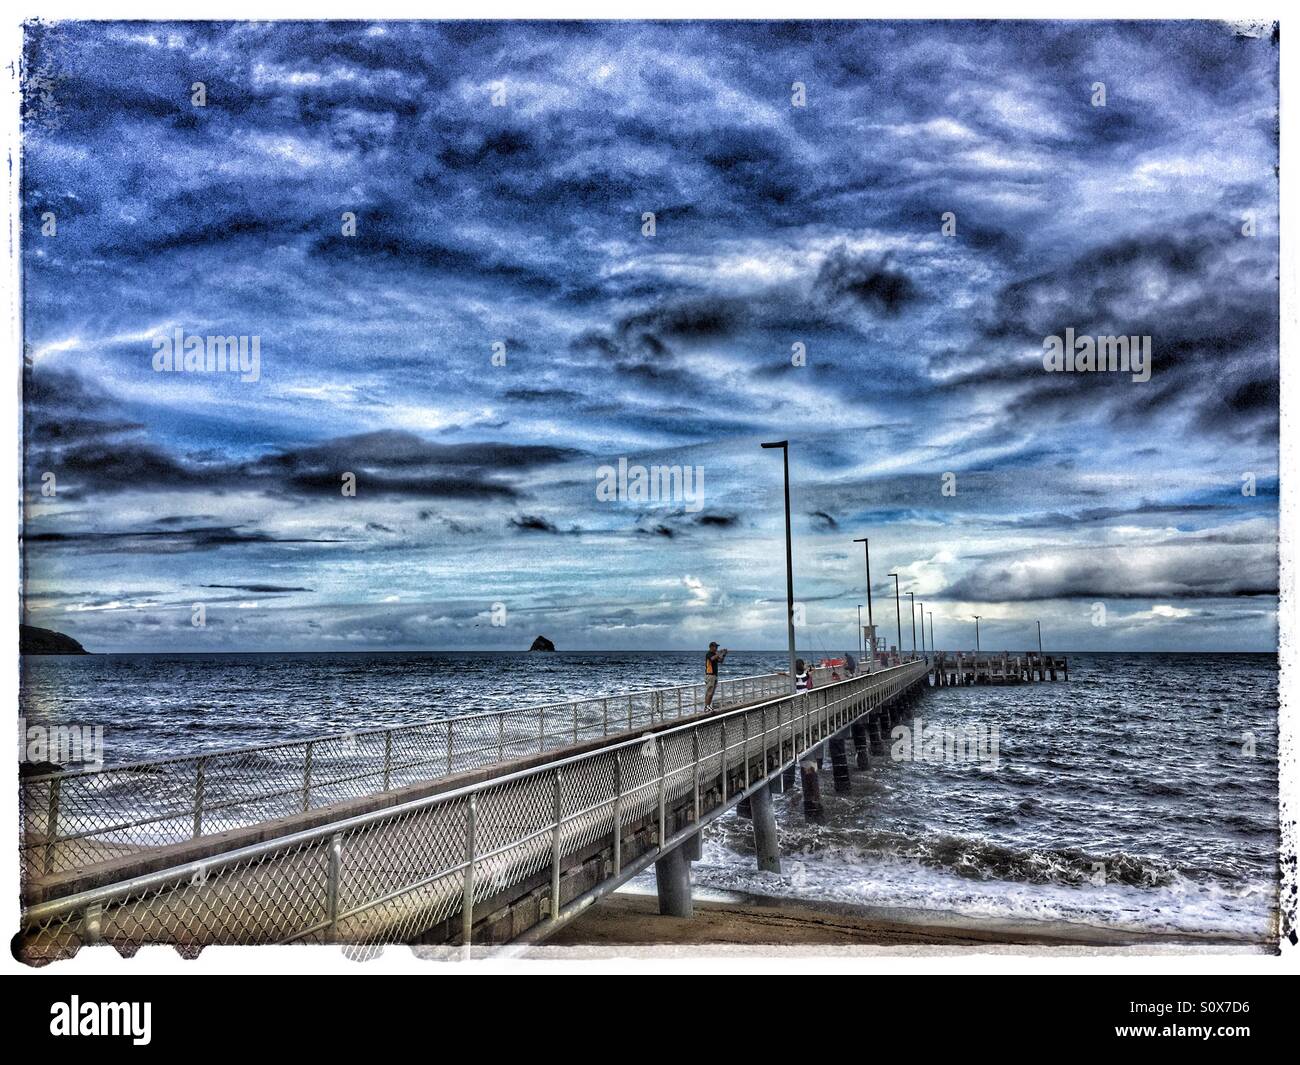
(803, 676)
(712, 660)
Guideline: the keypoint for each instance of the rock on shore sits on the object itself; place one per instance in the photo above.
(542, 644)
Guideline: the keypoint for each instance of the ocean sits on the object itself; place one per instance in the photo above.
(1142, 794)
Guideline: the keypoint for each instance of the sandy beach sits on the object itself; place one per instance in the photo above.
(633, 920)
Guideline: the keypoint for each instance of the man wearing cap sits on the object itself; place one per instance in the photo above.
(712, 660)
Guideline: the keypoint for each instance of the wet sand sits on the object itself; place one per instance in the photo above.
(632, 920)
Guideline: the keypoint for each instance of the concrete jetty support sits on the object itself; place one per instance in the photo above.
(876, 730)
(694, 847)
(840, 764)
(860, 747)
(812, 791)
(673, 881)
(766, 846)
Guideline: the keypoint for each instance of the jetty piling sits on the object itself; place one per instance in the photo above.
(812, 791)
(673, 881)
(766, 846)
(860, 744)
(694, 847)
(840, 765)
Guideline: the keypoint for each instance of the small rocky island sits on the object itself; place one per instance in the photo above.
(542, 644)
(36, 641)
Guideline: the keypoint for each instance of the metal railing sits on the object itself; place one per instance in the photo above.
(393, 874)
(75, 818)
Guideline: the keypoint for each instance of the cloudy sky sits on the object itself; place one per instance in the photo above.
(499, 176)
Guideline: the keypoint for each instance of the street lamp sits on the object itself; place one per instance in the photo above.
(912, 597)
(784, 445)
(921, 611)
(866, 549)
(1040, 638)
(859, 630)
(898, 612)
(871, 620)
(977, 632)
(933, 645)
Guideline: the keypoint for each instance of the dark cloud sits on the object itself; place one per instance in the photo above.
(532, 523)
(63, 409)
(1172, 571)
(268, 589)
(146, 541)
(387, 463)
(870, 282)
(544, 396)
(1204, 295)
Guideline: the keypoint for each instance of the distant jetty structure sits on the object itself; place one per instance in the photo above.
(460, 833)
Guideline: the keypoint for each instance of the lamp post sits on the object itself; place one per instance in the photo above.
(784, 445)
(921, 611)
(866, 550)
(898, 612)
(1040, 638)
(871, 619)
(977, 632)
(933, 646)
(912, 597)
(859, 630)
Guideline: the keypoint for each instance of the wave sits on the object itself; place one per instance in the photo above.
(986, 860)
(1176, 903)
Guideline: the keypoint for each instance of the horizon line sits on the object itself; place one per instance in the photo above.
(632, 650)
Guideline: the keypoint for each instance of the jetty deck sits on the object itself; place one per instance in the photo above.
(505, 848)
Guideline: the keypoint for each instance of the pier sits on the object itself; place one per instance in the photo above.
(948, 669)
(479, 830)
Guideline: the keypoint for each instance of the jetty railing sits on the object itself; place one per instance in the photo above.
(78, 817)
(392, 874)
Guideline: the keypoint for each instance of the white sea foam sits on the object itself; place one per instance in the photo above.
(846, 877)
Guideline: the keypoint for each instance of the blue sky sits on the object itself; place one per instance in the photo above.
(499, 175)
